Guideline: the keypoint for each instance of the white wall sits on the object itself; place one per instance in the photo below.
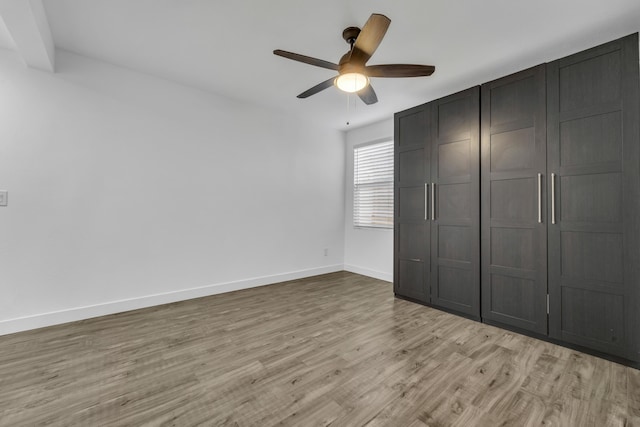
(127, 191)
(367, 251)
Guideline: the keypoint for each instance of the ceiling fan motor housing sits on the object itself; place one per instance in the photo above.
(353, 73)
(350, 34)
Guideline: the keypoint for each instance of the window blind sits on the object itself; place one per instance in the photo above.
(373, 185)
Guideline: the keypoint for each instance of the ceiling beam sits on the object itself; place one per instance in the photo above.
(27, 23)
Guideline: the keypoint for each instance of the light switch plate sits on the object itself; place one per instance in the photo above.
(3, 197)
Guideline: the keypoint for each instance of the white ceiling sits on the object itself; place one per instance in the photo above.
(226, 46)
(6, 42)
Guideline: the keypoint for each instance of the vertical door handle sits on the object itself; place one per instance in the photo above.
(426, 198)
(433, 201)
(553, 198)
(540, 198)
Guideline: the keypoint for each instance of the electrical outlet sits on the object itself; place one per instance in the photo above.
(326, 252)
(3, 197)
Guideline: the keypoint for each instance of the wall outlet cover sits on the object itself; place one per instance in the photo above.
(4, 195)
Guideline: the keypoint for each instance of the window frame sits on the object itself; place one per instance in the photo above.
(356, 219)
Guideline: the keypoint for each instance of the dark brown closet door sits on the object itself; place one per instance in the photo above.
(514, 271)
(594, 158)
(412, 230)
(455, 177)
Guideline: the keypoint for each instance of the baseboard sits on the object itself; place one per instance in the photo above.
(388, 277)
(80, 313)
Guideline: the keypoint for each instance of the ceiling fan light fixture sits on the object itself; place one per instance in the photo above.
(351, 82)
(353, 71)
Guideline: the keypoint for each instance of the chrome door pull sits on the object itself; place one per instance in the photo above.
(433, 201)
(540, 198)
(553, 198)
(426, 198)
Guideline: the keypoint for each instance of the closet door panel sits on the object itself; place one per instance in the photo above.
(513, 150)
(513, 248)
(514, 285)
(592, 257)
(591, 197)
(455, 261)
(409, 279)
(411, 167)
(412, 227)
(597, 315)
(411, 202)
(410, 241)
(581, 140)
(514, 199)
(453, 159)
(453, 243)
(453, 286)
(455, 201)
(510, 296)
(593, 153)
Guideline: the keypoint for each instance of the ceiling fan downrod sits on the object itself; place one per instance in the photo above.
(350, 34)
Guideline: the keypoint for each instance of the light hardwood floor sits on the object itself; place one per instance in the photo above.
(332, 350)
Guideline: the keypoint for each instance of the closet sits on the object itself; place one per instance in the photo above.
(534, 226)
(437, 227)
(513, 163)
(593, 158)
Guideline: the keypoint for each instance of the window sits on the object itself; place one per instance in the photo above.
(373, 185)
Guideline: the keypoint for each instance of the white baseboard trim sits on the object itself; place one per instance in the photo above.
(388, 277)
(80, 313)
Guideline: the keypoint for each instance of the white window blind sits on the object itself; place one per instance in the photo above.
(373, 185)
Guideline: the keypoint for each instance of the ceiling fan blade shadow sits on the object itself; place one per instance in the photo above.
(306, 59)
(317, 88)
(369, 38)
(368, 95)
(399, 70)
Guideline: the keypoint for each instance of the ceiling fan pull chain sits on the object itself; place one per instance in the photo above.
(348, 106)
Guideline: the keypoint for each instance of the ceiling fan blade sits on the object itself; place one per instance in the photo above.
(317, 88)
(399, 70)
(368, 95)
(306, 59)
(369, 38)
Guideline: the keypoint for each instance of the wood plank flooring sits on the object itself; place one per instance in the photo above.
(332, 350)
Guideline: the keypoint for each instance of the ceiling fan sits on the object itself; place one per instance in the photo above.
(353, 73)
